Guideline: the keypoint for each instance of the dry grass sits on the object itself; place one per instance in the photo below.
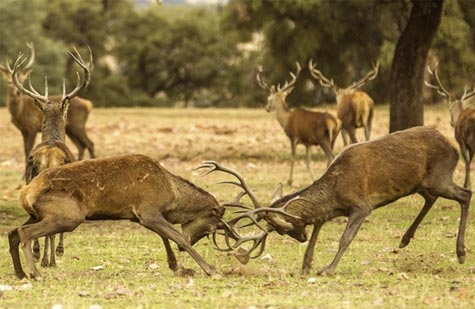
(372, 273)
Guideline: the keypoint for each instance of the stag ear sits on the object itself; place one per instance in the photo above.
(278, 193)
(219, 211)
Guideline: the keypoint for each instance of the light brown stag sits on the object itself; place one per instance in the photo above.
(462, 119)
(129, 187)
(52, 151)
(26, 116)
(301, 126)
(363, 177)
(355, 108)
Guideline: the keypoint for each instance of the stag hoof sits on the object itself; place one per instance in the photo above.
(184, 272)
(36, 254)
(242, 256)
(44, 262)
(305, 270)
(20, 274)
(59, 251)
(461, 259)
(325, 271)
(37, 277)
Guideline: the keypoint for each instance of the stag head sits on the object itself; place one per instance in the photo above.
(456, 105)
(42, 101)
(276, 216)
(277, 94)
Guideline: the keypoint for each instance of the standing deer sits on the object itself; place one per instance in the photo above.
(26, 116)
(129, 187)
(363, 177)
(52, 151)
(355, 108)
(462, 119)
(301, 126)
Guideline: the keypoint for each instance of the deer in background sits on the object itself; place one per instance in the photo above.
(355, 108)
(462, 119)
(52, 151)
(363, 177)
(27, 117)
(301, 126)
(130, 187)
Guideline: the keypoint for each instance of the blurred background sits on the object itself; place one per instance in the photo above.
(205, 53)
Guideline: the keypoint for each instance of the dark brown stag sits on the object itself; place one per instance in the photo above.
(52, 151)
(301, 126)
(355, 108)
(462, 119)
(130, 187)
(26, 116)
(363, 177)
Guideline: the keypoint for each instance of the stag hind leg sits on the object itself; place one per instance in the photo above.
(467, 155)
(79, 137)
(429, 202)
(157, 223)
(355, 220)
(293, 145)
(14, 243)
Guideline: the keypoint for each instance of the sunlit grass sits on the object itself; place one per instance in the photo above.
(374, 272)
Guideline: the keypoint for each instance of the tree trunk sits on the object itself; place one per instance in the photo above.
(407, 73)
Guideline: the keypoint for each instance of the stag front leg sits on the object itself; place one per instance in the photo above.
(309, 161)
(293, 145)
(344, 136)
(429, 202)
(60, 248)
(307, 260)
(165, 229)
(45, 260)
(328, 152)
(467, 158)
(355, 221)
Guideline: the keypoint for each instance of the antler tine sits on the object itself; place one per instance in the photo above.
(259, 79)
(32, 56)
(467, 95)
(439, 87)
(39, 99)
(87, 67)
(293, 76)
(215, 166)
(369, 76)
(322, 80)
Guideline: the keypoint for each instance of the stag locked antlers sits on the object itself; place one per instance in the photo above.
(245, 212)
(42, 101)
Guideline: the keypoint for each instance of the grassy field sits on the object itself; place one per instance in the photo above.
(372, 273)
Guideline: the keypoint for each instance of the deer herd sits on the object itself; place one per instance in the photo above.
(62, 192)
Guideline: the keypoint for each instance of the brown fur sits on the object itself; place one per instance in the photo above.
(465, 136)
(304, 127)
(131, 187)
(355, 110)
(370, 175)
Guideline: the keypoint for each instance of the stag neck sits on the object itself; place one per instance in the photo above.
(282, 114)
(53, 126)
(14, 100)
(317, 202)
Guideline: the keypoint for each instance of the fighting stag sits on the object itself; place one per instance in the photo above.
(462, 119)
(52, 151)
(26, 116)
(301, 126)
(355, 108)
(130, 187)
(364, 177)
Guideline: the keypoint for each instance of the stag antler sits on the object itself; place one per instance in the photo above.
(259, 79)
(439, 87)
(467, 95)
(215, 166)
(325, 82)
(81, 84)
(17, 66)
(370, 76)
(294, 76)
